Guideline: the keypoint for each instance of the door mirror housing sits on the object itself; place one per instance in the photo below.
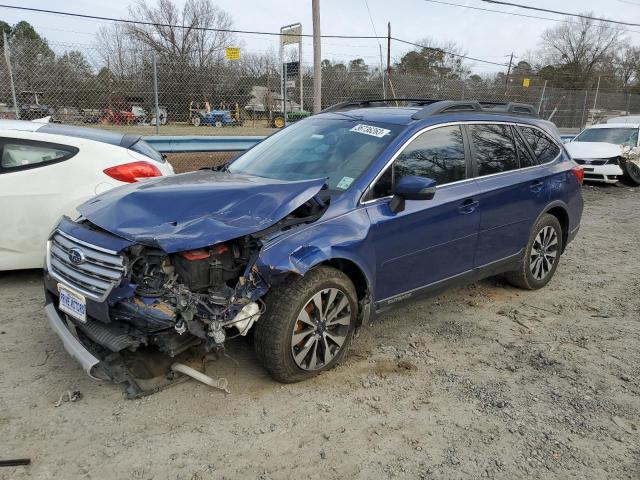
(412, 188)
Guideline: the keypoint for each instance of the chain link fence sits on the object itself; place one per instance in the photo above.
(77, 84)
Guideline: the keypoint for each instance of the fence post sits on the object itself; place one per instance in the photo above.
(584, 108)
(628, 102)
(544, 87)
(155, 92)
(595, 100)
(7, 57)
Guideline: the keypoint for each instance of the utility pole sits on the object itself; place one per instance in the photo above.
(388, 55)
(506, 81)
(317, 56)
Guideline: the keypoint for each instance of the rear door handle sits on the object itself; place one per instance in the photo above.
(468, 206)
(536, 186)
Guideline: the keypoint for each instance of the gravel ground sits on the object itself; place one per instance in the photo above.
(484, 381)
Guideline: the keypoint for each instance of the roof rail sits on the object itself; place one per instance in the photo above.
(435, 107)
(453, 106)
(414, 102)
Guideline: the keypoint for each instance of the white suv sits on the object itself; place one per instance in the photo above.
(599, 149)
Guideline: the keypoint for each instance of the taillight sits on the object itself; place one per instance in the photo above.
(132, 172)
(578, 172)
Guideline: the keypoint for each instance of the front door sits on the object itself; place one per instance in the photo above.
(430, 240)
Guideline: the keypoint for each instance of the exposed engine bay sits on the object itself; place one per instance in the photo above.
(200, 292)
(186, 303)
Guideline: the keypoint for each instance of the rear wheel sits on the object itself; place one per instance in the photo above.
(196, 120)
(541, 255)
(307, 326)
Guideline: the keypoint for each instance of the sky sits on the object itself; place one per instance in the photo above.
(485, 35)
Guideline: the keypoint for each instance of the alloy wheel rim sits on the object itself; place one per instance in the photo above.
(544, 253)
(321, 329)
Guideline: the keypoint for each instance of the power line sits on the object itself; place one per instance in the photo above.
(153, 24)
(557, 12)
(466, 57)
(225, 30)
(524, 15)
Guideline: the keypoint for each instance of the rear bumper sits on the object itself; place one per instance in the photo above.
(71, 343)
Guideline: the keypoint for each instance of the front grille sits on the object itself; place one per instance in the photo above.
(94, 277)
(590, 162)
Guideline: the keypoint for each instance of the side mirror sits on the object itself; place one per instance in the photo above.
(411, 188)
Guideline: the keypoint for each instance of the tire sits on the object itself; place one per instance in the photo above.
(535, 270)
(291, 312)
(218, 124)
(631, 173)
(195, 120)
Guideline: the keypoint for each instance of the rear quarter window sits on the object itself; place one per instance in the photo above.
(20, 154)
(542, 146)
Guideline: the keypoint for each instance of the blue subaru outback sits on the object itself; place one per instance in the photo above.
(311, 233)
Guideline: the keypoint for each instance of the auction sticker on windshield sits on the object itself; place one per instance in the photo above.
(73, 303)
(370, 130)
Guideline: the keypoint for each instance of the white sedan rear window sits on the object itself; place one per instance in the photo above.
(15, 155)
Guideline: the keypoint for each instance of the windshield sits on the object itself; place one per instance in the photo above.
(619, 136)
(339, 149)
(147, 150)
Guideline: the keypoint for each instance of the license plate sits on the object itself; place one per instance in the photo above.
(73, 303)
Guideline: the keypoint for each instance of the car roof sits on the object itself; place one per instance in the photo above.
(614, 125)
(95, 134)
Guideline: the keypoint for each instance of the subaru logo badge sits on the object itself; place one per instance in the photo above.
(76, 256)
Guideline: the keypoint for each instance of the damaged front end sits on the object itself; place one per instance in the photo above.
(137, 308)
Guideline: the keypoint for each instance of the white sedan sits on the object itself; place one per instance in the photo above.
(46, 170)
(599, 148)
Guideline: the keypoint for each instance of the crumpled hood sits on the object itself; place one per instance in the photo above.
(588, 150)
(198, 209)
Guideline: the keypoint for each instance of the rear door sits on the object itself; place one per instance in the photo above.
(512, 191)
(430, 240)
(33, 182)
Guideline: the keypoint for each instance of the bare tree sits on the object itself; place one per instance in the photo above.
(578, 48)
(180, 35)
(118, 51)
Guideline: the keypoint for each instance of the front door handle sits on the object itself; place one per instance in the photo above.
(468, 206)
(536, 186)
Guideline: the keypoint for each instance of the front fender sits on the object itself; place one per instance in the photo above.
(345, 237)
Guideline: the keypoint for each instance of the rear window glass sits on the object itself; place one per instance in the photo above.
(19, 155)
(543, 147)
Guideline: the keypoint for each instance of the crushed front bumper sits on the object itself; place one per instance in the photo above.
(71, 343)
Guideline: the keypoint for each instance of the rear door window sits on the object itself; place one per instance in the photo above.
(542, 146)
(494, 148)
(25, 154)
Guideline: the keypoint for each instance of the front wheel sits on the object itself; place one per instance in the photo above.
(631, 173)
(541, 255)
(307, 326)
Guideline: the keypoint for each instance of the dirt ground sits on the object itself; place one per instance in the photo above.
(484, 381)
